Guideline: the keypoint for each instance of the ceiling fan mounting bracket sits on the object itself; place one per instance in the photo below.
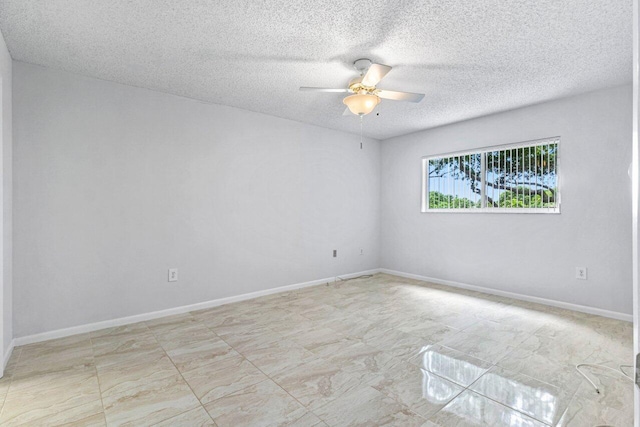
(362, 65)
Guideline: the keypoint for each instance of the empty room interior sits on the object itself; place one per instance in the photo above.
(330, 213)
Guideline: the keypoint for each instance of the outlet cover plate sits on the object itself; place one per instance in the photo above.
(581, 273)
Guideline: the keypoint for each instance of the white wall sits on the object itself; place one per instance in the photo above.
(6, 284)
(535, 254)
(114, 184)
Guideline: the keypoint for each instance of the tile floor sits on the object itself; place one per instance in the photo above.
(377, 351)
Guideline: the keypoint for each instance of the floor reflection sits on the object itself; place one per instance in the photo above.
(435, 390)
(517, 391)
(452, 365)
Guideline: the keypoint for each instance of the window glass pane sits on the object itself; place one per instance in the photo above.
(455, 182)
(524, 177)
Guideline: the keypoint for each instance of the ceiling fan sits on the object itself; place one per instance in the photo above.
(365, 96)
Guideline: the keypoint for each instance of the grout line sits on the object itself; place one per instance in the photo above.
(181, 376)
(264, 373)
(95, 366)
(508, 407)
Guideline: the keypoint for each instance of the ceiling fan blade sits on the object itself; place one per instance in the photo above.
(400, 96)
(374, 74)
(346, 112)
(322, 89)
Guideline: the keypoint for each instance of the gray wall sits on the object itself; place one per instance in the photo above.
(6, 286)
(115, 184)
(531, 254)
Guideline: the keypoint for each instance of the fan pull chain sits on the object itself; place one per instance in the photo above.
(361, 120)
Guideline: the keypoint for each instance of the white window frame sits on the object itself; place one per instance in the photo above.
(482, 151)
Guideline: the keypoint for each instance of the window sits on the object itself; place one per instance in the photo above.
(519, 178)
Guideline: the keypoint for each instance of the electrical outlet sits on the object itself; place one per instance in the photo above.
(335, 253)
(581, 273)
(173, 274)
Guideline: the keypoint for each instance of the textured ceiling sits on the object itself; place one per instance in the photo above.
(470, 58)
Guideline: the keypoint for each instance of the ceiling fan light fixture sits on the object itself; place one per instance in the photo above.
(361, 104)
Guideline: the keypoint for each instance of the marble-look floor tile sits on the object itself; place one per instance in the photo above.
(11, 365)
(124, 343)
(365, 362)
(94, 420)
(55, 355)
(312, 339)
(478, 346)
(212, 312)
(148, 402)
(155, 366)
(584, 412)
(192, 356)
(253, 339)
(50, 346)
(567, 348)
(616, 390)
(278, 358)
(223, 377)
(471, 409)
(168, 324)
(534, 398)
(132, 328)
(421, 391)
(428, 330)
(540, 367)
(261, 404)
(320, 311)
(196, 417)
(498, 332)
(612, 353)
(317, 382)
(194, 347)
(233, 323)
(53, 398)
(5, 382)
(396, 343)
(186, 331)
(307, 420)
(350, 325)
(451, 364)
(133, 357)
(456, 320)
(367, 406)
(292, 326)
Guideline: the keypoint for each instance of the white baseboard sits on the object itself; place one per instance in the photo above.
(553, 303)
(75, 330)
(61, 333)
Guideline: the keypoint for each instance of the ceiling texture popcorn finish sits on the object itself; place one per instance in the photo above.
(470, 58)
